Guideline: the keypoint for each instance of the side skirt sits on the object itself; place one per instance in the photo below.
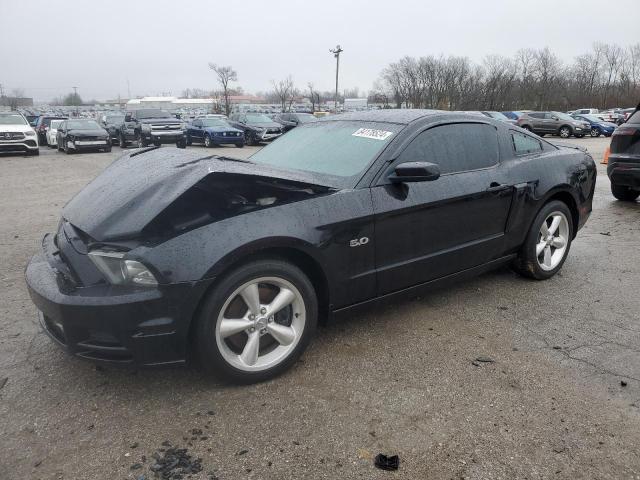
(421, 288)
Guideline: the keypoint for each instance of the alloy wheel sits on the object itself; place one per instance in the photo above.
(565, 132)
(260, 324)
(553, 239)
(595, 132)
(207, 141)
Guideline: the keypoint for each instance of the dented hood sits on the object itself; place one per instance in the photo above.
(136, 188)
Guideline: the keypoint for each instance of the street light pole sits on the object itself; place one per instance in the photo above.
(336, 53)
(75, 98)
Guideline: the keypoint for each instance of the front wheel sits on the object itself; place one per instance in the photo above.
(547, 244)
(565, 132)
(240, 145)
(595, 132)
(623, 193)
(207, 141)
(181, 143)
(256, 322)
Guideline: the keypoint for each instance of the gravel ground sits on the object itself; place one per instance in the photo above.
(560, 397)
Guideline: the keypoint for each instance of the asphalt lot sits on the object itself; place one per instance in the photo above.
(560, 398)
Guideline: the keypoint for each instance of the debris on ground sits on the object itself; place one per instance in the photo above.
(384, 462)
(483, 359)
(174, 463)
(3, 382)
(623, 383)
(606, 234)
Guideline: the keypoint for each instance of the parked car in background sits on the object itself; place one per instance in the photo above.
(52, 133)
(148, 126)
(623, 167)
(626, 113)
(598, 126)
(16, 135)
(585, 111)
(79, 134)
(613, 116)
(111, 122)
(32, 119)
(555, 123)
(499, 116)
(292, 120)
(513, 115)
(257, 127)
(42, 124)
(214, 131)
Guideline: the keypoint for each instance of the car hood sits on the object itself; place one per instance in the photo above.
(608, 124)
(137, 188)
(222, 129)
(87, 133)
(16, 128)
(265, 125)
(160, 121)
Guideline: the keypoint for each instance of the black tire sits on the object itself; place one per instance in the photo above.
(181, 143)
(189, 140)
(240, 145)
(526, 264)
(58, 146)
(207, 140)
(141, 142)
(209, 353)
(624, 193)
(595, 132)
(34, 153)
(565, 131)
(123, 142)
(66, 148)
(107, 149)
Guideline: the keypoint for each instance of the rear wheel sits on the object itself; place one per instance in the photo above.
(256, 322)
(123, 142)
(547, 244)
(595, 132)
(207, 140)
(181, 143)
(624, 193)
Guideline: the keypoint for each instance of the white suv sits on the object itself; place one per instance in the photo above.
(16, 135)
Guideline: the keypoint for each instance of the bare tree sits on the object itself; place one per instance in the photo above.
(313, 96)
(225, 76)
(284, 90)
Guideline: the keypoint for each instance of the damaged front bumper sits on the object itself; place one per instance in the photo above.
(114, 324)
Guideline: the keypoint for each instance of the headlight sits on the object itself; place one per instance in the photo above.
(30, 133)
(120, 271)
(146, 126)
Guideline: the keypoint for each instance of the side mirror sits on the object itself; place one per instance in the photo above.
(415, 172)
(127, 117)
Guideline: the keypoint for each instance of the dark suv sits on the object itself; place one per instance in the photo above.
(623, 167)
(555, 123)
(148, 126)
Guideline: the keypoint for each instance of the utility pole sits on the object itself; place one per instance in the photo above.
(75, 98)
(336, 53)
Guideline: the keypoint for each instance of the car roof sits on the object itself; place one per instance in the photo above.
(401, 116)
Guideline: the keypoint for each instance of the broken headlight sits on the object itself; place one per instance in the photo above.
(120, 271)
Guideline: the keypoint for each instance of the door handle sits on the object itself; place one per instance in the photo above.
(496, 187)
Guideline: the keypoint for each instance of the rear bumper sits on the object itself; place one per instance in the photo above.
(116, 325)
(624, 173)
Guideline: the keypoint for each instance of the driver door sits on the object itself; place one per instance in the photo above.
(427, 230)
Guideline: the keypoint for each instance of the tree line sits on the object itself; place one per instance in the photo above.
(533, 79)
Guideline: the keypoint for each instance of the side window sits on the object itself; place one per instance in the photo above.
(457, 147)
(525, 144)
(197, 123)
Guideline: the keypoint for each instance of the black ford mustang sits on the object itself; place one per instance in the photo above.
(169, 252)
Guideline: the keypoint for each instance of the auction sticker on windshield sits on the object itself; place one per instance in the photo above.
(372, 133)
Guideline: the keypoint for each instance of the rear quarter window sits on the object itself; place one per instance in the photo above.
(635, 118)
(525, 144)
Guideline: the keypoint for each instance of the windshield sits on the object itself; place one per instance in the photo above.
(258, 118)
(498, 115)
(114, 118)
(153, 114)
(339, 149)
(214, 122)
(83, 125)
(55, 124)
(12, 119)
(563, 116)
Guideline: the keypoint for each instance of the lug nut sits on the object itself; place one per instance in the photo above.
(252, 317)
(263, 310)
(252, 329)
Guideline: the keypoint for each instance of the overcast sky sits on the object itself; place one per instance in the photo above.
(46, 47)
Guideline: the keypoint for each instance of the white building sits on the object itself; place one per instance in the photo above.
(170, 103)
